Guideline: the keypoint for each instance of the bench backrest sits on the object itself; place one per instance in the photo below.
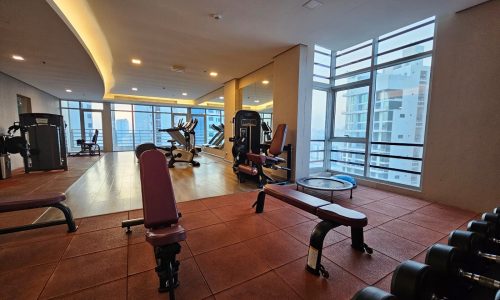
(158, 199)
(278, 142)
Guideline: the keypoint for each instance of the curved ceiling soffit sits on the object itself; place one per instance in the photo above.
(81, 20)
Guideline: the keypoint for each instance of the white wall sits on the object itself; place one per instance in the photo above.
(41, 102)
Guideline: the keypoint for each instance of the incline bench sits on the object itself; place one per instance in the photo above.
(15, 203)
(332, 216)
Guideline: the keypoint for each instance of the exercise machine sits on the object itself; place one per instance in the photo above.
(11, 144)
(88, 148)
(187, 139)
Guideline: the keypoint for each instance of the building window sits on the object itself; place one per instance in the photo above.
(384, 81)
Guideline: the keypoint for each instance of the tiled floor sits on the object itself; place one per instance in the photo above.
(230, 252)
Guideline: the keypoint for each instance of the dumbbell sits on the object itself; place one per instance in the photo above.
(485, 228)
(448, 262)
(373, 293)
(494, 219)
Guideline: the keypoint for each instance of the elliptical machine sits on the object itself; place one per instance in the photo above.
(11, 144)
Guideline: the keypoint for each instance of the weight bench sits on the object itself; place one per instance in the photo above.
(160, 218)
(332, 215)
(15, 203)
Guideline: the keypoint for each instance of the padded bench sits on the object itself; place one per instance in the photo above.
(332, 215)
(15, 203)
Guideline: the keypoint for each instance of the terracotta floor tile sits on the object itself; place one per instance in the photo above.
(210, 238)
(35, 235)
(433, 223)
(232, 212)
(406, 202)
(374, 218)
(356, 200)
(412, 232)
(96, 241)
(191, 284)
(420, 257)
(369, 268)
(48, 251)
(385, 283)
(140, 258)
(112, 290)
(277, 248)
(303, 231)
(303, 213)
(265, 287)
(284, 217)
(340, 285)
(185, 251)
(229, 266)
(25, 283)
(191, 206)
(198, 219)
(345, 230)
(392, 245)
(249, 227)
(102, 222)
(387, 209)
(220, 201)
(136, 214)
(137, 234)
(446, 212)
(375, 194)
(346, 204)
(86, 271)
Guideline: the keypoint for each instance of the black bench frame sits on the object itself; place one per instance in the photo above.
(67, 215)
(318, 235)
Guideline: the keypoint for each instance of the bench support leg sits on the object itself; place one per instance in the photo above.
(358, 242)
(259, 204)
(68, 216)
(316, 248)
(167, 268)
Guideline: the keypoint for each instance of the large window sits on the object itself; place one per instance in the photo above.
(82, 119)
(379, 91)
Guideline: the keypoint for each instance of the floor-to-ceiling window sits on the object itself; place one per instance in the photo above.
(214, 117)
(82, 120)
(379, 98)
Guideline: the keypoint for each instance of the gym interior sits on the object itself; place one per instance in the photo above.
(249, 149)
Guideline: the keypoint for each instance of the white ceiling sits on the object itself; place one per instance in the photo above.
(162, 33)
(257, 91)
(31, 28)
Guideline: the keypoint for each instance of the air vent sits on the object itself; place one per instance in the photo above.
(312, 4)
(178, 68)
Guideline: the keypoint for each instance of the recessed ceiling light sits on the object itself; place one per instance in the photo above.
(265, 81)
(221, 97)
(214, 74)
(135, 89)
(312, 4)
(68, 91)
(184, 94)
(17, 57)
(256, 101)
(136, 61)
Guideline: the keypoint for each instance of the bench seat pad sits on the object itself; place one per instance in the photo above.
(165, 236)
(13, 203)
(342, 215)
(300, 200)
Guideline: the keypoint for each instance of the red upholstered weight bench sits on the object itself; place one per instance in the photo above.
(15, 203)
(332, 215)
(160, 218)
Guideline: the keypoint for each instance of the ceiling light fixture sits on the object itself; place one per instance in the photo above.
(265, 81)
(256, 101)
(221, 97)
(17, 57)
(184, 94)
(135, 89)
(177, 68)
(68, 91)
(216, 16)
(213, 74)
(311, 4)
(136, 61)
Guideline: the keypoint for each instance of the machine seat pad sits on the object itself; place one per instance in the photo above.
(298, 199)
(256, 158)
(166, 235)
(248, 170)
(342, 215)
(13, 203)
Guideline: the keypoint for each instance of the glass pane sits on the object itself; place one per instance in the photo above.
(316, 164)
(354, 67)
(199, 130)
(317, 156)
(406, 38)
(182, 110)
(71, 104)
(322, 80)
(354, 47)
(92, 105)
(73, 129)
(64, 103)
(162, 121)
(400, 106)
(211, 132)
(179, 118)
(420, 48)
(395, 176)
(198, 111)
(143, 128)
(322, 49)
(316, 146)
(407, 27)
(351, 108)
(347, 146)
(123, 138)
(353, 56)
(164, 109)
(321, 71)
(318, 115)
(407, 151)
(323, 59)
(92, 120)
(213, 112)
(146, 108)
(353, 152)
(116, 106)
(347, 168)
(396, 163)
(351, 79)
